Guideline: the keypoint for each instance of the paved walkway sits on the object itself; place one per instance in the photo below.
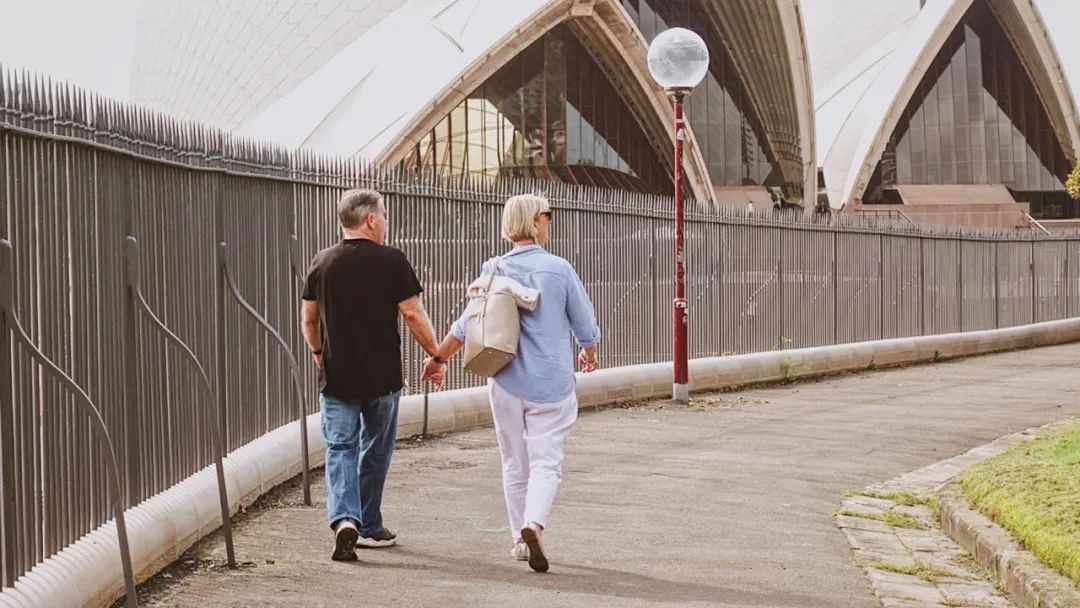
(728, 503)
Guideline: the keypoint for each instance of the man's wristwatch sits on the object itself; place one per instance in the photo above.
(438, 359)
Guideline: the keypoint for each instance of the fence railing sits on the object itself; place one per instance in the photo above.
(80, 174)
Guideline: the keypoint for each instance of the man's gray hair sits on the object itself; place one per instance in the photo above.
(356, 205)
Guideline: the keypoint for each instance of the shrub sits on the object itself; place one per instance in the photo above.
(1073, 184)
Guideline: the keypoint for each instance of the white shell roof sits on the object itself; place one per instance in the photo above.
(869, 104)
(328, 74)
(357, 102)
(858, 107)
(222, 61)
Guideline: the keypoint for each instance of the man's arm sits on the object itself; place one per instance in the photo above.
(419, 324)
(309, 322)
(435, 371)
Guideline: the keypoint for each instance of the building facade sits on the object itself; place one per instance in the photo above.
(549, 89)
(961, 115)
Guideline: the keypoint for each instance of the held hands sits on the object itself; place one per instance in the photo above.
(434, 373)
(586, 363)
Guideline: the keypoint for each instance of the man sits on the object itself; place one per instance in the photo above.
(352, 297)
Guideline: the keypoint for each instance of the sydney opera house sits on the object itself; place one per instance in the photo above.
(959, 114)
(555, 89)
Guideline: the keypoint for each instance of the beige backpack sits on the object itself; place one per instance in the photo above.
(493, 323)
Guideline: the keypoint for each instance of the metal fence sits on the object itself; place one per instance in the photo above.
(80, 174)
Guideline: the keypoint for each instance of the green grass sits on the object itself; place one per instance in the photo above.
(790, 367)
(901, 498)
(894, 519)
(1033, 491)
(923, 570)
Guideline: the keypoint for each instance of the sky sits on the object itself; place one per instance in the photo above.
(91, 42)
(88, 42)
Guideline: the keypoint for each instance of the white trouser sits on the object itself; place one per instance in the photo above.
(531, 437)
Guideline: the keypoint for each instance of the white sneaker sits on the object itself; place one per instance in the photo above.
(520, 551)
(379, 540)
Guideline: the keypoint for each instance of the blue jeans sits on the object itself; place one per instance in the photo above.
(359, 438)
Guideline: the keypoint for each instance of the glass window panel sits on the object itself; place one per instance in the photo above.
(442, 141)
(732, 144)
(903, 161)
(555, 100)
(699, 118)
(544, 112)
(532, 94)
(458, 139)
(714, 157)
(728, 132)
(573, 116)
(976, 118)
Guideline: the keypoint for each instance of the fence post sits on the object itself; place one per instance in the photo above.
(1068, 280)
(1034, 286)
(780, 280)
(881, 284)
(654, 326)
(132, 412)
(836, 284)
(960, 301)
(922, 286)
(8, 573)
(997, 289)
(221, 305)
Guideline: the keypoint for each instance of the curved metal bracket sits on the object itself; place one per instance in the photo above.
(7, 299)
(134, 282)
(294, 258)
(223, 260)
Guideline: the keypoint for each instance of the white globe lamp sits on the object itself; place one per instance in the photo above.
(678, 59)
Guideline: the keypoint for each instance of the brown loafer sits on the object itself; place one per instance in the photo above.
(537, 560)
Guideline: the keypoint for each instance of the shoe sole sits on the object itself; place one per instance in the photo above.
(345, 545)
(367, 543)
(537, 560)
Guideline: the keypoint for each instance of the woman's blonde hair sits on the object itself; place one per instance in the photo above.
(519, 216)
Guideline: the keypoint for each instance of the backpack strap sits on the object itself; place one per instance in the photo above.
(494, 270)
(491, 279)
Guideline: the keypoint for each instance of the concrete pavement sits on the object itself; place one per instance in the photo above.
(726, 503)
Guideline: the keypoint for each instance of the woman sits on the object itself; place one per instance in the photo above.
(532, 399)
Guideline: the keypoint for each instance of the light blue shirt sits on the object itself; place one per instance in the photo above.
(543, 369)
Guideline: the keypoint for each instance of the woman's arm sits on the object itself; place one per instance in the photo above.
(435, 366)
(582, 316)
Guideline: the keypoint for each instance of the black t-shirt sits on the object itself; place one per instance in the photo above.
(358, 285)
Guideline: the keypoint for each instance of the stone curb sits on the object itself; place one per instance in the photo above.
(875, 541)
(1027, 581)
(160, 529)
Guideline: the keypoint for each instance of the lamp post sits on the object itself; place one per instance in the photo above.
(678, 61)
